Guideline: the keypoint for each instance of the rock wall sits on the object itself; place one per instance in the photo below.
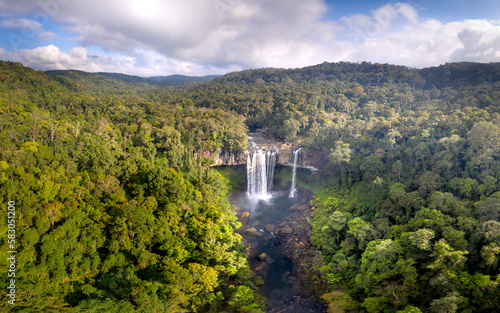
(315, 159)
(230, 157)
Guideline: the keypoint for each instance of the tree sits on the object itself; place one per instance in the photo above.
(244, 299)
(385, 273)
(340, 154)
(488, 210)
(372, 167)
(490, 254)
(362, 232)
(338, 222)
(290, 128)
(420, 239)
(397, 169)
(429, 182)
(447, 304)
(446, 264)
(484, 145)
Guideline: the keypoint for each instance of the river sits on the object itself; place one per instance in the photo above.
(277, 270)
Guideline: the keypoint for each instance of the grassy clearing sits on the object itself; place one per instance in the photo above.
(236, 175)
(305, 179)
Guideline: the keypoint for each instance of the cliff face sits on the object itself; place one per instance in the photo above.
(314, 159)
(230, 157)
(264, 140)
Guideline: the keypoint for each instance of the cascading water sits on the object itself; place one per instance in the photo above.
(271, 157)
(295, 157)
(260, 173)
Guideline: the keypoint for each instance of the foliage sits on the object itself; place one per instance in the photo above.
(117, 211)
(120, 211)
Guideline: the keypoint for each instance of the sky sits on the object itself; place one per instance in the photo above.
(202, 37)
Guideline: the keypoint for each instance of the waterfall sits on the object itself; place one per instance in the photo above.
(260, 173)
(271, 165)
(295, 156)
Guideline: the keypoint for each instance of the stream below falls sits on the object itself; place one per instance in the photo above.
(259, 230)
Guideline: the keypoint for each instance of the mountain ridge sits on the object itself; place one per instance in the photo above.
(169, 80)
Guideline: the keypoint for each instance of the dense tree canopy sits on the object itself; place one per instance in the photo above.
(408, 216)
(119, 211)
(115, 213)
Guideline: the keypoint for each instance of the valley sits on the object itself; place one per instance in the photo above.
(339, 187)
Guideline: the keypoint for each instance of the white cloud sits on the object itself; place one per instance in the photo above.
(430, 43)
(145, 63)
(480, 41)
(22, 23)
(28, 29)
(154, 37)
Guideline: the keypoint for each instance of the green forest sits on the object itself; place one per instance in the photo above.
(118, 210)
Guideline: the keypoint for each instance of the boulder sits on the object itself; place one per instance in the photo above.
(286, 230)
(286, 277)
(252, 232)
(303, 207)
(244, 217)
(256, 223)
(268, 260)
(294, 207)
(269, 227)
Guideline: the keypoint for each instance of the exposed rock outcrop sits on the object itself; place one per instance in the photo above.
(230, 157)
(264, 139)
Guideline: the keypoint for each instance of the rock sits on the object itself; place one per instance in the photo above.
(262, 257)
(294, 207)
(303, 207)
(252, 232)
(286, 277)
(244, 217)
(268, 260)
(244, 241)
(282, 223)
(286, 230)
(256, 223)
(269, 227)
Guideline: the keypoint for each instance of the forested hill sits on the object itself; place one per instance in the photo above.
(448, 75)
(298, 101)
(113, 212)
(171, 80)
(408, 218)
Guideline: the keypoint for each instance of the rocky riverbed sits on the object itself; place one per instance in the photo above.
(277, 236)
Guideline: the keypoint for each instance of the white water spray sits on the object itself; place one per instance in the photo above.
(293, 190)
(260, 173)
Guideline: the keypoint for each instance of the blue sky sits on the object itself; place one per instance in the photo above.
(199, 37)
(443, 10)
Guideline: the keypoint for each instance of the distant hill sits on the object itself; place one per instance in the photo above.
(171, 80)
(177, 79)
